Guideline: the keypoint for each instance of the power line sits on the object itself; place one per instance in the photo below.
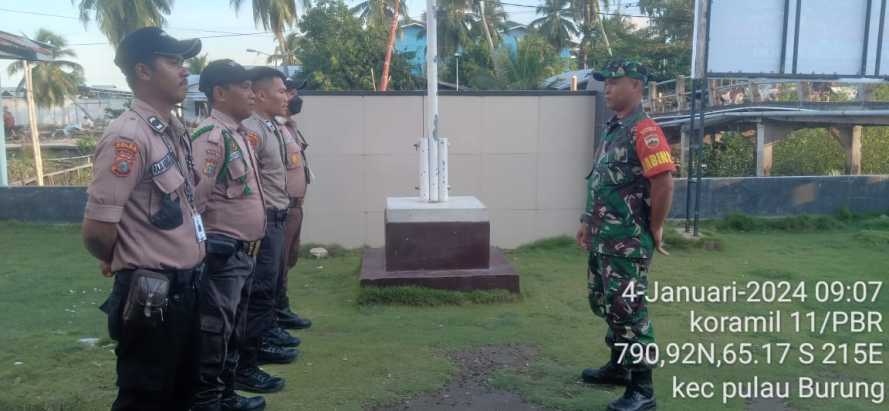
(502, 3)
(35, 13)
(199, 37)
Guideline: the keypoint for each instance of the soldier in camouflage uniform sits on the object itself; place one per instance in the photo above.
(628, 197)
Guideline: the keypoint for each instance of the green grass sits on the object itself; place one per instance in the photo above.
(382, 346)
(427, 297)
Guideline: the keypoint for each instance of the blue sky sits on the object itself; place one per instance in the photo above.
(190, 18)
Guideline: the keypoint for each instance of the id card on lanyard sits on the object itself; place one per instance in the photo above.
(199, 227)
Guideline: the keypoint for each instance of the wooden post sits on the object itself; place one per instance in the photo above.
(32, 116)
(711, 93)
(850, 139)
(652, 95)
(393, 29)
(680, 93)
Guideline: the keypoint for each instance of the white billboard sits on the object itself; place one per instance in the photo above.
(794, 38)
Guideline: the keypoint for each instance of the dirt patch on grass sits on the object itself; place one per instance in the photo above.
(470, 389)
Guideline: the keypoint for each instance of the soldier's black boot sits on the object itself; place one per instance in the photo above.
(231, 401)
(276, 354)
(291, 320)
(253, 379)
(639, 395)
(611, 373)
(277, 336)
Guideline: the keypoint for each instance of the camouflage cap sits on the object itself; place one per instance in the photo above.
(618, 68)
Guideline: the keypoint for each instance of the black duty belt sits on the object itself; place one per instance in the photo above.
(179, 279)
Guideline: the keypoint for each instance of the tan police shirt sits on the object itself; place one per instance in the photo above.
(133, 169)
(297, 171)
(271, 152)
(229, 193)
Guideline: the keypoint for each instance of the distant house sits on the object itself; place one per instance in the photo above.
(512, 34)
(412, 39)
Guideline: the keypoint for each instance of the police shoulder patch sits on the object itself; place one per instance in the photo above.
(125, 152)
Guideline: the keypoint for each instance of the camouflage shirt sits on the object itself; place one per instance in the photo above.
(618, 203)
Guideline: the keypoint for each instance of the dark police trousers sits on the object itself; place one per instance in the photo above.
(292, 230)
(261, 316)
(156, 361)
(223, 298)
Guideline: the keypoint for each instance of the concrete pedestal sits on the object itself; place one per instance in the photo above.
(438, 245)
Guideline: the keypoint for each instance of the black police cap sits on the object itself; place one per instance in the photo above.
(143, 44)
(222, 73)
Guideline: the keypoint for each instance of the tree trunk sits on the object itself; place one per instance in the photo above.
(604, 35)
(490, 40)
(282, 46)
(393, 29)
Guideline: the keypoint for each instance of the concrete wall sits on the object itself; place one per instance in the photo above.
(348, 224)
(523, 156)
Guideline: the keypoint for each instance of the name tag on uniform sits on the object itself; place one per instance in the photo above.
(199, 227)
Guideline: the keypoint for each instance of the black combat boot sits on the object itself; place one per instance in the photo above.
(231, 401)
(290, 320)
(611, 373)
(277, 336)
(275, 354)
(254, 379)
(639, 395)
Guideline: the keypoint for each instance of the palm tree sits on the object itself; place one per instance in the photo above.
(588, 12)
(534, 60)
(116, 18)
(276, 16)
(378, 11)
(288, 53)
(456, 21)
(556, 23)
(492, 18)
(197, 63)
(56, 80)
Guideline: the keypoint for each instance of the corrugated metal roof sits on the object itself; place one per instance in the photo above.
(14, 47)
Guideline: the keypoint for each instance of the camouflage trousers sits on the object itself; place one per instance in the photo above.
(617, 289)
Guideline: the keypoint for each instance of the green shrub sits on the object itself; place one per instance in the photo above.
(739, 222)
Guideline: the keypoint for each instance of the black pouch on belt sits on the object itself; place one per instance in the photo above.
(221, 246)
(147, 299)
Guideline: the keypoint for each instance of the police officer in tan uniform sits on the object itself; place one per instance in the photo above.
(230, 197)
(268, 343)
(298, 178)
(141, 223)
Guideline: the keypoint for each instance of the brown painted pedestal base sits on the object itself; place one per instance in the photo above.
(499, 275)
